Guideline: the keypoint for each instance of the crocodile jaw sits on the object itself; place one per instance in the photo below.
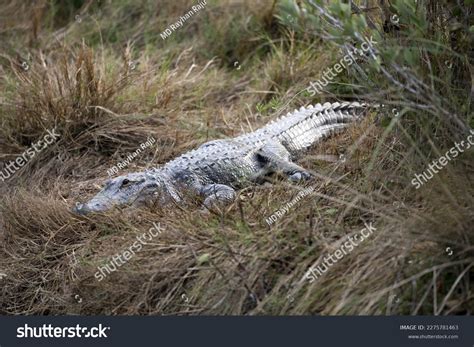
(94, 205)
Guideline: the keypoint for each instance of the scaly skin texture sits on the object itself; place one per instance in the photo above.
(217, 168)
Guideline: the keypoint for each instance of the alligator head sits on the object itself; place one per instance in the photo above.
(132, 189)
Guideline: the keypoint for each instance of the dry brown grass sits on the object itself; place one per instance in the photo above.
(205, 263)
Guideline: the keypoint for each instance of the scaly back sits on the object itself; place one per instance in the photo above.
(302, 128)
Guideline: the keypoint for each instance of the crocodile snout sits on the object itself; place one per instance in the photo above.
(81, 209)
(92, 206)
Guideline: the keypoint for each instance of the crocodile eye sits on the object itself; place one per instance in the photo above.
(125, 182)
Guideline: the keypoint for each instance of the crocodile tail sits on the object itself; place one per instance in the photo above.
(302, 128)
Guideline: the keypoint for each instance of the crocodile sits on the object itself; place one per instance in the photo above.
(218, 168)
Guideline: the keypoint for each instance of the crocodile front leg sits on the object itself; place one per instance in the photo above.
(217, 195)
(277, 159)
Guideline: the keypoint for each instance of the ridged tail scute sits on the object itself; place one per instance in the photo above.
(302, 128)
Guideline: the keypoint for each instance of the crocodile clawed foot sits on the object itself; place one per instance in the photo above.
(300, 176)
(218, 196)
(216, 204)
